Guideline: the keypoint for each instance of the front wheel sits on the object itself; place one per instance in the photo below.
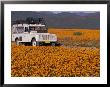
(34, 43)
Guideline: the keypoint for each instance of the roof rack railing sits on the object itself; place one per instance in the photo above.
(30, 20)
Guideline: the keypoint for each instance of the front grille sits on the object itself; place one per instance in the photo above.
(45, 37)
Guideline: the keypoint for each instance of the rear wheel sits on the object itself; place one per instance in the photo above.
(17, 42)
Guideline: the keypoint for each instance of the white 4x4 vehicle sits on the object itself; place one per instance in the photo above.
(33, 33)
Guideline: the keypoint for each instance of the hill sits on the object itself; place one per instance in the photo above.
(90, 20)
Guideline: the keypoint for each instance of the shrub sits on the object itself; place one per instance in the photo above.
(77, 33)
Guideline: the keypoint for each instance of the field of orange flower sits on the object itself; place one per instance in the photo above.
(58, 61)
(78, 37)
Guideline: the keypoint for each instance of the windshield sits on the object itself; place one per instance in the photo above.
(39, 29)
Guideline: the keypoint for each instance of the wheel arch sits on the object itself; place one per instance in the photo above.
(33, 38)
(16, 38)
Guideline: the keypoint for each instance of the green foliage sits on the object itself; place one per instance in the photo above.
(77, 33)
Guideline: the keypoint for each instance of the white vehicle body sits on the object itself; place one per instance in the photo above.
(22, 33)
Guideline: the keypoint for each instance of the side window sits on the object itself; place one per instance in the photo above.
(26, 29)
(20, 29)
(37, 28)
(14, 30)
(32, 28)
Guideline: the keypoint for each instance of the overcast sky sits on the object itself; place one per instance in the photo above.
(56, 12)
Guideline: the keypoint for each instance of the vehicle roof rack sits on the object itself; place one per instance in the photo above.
(30, 20)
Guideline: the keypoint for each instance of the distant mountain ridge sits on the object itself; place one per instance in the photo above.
(62, 19)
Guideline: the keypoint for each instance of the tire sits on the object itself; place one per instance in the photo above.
(33, 43)
(53, 44)
(17, 42)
